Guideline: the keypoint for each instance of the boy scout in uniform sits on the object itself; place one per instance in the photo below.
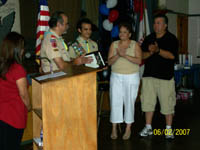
(83, 43)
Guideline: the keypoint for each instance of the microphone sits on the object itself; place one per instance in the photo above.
(29, 55)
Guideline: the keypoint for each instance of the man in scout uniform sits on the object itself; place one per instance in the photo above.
(83, 43)
(54, 48)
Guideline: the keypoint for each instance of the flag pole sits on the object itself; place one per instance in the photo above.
(144, 15)
(42, 24)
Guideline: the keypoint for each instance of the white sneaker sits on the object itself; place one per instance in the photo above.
(169, 134)
(146, 132)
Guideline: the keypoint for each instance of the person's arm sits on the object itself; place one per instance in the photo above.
(111, 57)
(72, 53)
(166, 54)
(23, 92)
(146, 55)
(145, 47)
(154, 48)
(61, 64)
(82, 60)
(138, 55)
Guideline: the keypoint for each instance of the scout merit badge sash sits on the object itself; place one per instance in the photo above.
(79, 50)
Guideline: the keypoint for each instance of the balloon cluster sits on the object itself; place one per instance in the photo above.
(112, 16)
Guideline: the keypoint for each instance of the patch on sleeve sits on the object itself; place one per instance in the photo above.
(53, 36)
(55, 50)
(53, 41)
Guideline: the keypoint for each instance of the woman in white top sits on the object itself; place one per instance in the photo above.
(124, 57)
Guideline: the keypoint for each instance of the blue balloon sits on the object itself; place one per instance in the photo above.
(104, 10)
(3, 1)
(115, 32)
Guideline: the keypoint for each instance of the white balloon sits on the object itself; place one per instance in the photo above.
(111, 3)
(107, 25)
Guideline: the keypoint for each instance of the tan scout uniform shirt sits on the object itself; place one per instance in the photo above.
(122, 65)
(52, 47)
(90, 47)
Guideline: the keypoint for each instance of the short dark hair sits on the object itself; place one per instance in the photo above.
(10, 51)
(55, 18)
(82, 21)
(162, 16)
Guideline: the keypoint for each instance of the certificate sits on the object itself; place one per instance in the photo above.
(97, 62)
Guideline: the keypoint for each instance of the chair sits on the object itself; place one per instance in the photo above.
(103, 87)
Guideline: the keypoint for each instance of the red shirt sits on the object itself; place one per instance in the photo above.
(12, 109)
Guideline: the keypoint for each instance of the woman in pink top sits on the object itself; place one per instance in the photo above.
(14, 98)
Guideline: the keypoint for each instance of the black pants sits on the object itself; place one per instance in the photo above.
(10, 137)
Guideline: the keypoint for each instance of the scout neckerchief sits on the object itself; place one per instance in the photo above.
(88, 47)
(64, 44)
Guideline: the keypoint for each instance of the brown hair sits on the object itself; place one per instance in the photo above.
(10, 52)
(128, 26)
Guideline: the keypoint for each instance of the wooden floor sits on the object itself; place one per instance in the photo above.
(187, 116)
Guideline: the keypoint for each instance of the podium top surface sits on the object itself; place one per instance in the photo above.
(71, 71)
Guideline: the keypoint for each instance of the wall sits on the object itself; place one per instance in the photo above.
(180, 6)
(194, 30)
(9, 7)
(9, 17)
(28, 17)
(186, 7)
(29, 13)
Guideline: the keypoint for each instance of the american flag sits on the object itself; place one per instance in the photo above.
(42, 23)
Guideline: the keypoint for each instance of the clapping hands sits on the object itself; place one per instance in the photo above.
(121, 52)
(153, 48)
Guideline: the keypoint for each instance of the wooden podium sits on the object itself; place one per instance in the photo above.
(66, 108)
